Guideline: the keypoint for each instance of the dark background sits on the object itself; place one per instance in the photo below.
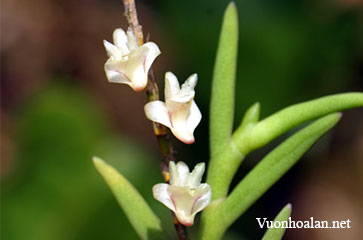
(57, 109)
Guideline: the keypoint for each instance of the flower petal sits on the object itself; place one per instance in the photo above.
(194, 118)
(153, 52)
(183, 171)
(133, 68)
(156, 111)
(194, 178)
(190, 83)
(171, 85)
(203, 198)
(114, 75)
(184, 113)
(178, 173)
(186, 93)
(182, 97)
(120, 40)
(181, 132)
(160, 193)
(179, 113)
(174, 174)
(112, 51)
(136, 66)
(183, 202)
(132, 41)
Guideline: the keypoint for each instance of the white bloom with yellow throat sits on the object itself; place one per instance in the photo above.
(179, 112)
(128, 62)
(185, 195)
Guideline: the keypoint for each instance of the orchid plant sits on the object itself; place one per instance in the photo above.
(183, 193)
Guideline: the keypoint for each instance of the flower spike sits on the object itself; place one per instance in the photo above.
(185, 195)
(128, 62)
(179, 112)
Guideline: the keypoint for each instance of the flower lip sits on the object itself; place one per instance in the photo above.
(184, 135)
(138, 88)
(187, 223)
(189, 141)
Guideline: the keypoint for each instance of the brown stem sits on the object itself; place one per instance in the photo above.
(131, 16)
(152, 93)
(160, 131)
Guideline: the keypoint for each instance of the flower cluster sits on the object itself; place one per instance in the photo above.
(129, 63)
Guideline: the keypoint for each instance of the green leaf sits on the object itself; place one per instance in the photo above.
(141, 217)
(222, 106)
(222, 169)
(263, 176)
(223, 85)
(278, 233)
(251, 116)
(252, 135)
(274, 166)
(287, 118)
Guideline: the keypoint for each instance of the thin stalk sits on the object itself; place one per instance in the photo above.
(152, 93)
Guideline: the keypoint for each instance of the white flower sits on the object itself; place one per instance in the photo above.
(128, 62)
(185, 195)
(179, 112)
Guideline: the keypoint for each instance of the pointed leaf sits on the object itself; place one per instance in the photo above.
(287, 118)
(142, 218)
(264, 175)
(222, 104)
(275, 165)
(249, 137)
(278, 233)
(251, 116)
(223, 85)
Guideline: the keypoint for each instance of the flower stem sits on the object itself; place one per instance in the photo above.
(160, 131)
(152, 93)
(131, 16)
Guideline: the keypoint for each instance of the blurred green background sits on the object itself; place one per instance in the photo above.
(57, 109)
